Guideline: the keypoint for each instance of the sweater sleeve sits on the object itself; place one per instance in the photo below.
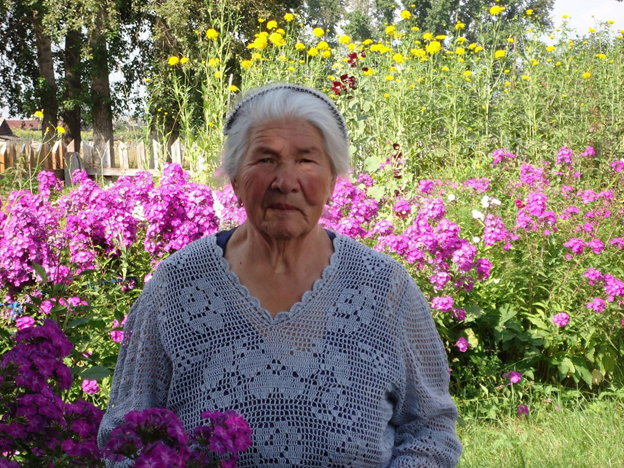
(425, 414)
(143, 370)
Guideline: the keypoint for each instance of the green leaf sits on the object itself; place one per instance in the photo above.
(41, 272)
(568, 363)
(371, 164)
(507, 311)
(583, 371)
(377, 192)
(367, 106)
(95, 373)
(78, 322)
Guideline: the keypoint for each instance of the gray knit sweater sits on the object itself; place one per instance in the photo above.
(353, 375)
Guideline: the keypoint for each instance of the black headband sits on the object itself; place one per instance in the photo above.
(303, 89)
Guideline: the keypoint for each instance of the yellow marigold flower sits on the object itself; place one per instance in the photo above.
(351, 47)
(621, 31)
(467, 73)
(406, 14)
(246, 63)
(499, 54)
(39, 114)
(318, 32)
(390, 30)
(344, 39)
(386, 95)
(434, 47)
(445, 69)
(183, 60)
(411, 86)
(529, 12)
(507, 71)
(398, 58)
(272, 24)
(586, 75)
(565, 16)
(511, 40)
(507, 83)
(495, 10)
(472, 46)
(415, 28)
(147, 80)
(367, 42)
(592, 30)
(282, 58)
(213, 62)
(277, 39)
(478, 49)
(460, 51)
(326, 54)
(461, 40)
(428, 36)
(460, 25)
(173, 60)
(535, 62)
(369, 72)
(558, 64)
(260, 20)
(289, 17)
(60, 130)
(526, 77)
(611, 22)
(393, 70)
(313, 52)
(418, 53)
(322, 45)
(299, 46)
(212, 34)
(290, 69)
(601, 56)
(259, 43)
(550, 48)
(217, 74)
(441, 37)
(389, 78)
(256, 56)
(234, 89)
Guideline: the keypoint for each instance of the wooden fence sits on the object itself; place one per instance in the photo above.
(27, 158)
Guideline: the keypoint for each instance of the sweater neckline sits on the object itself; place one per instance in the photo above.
(265, 315)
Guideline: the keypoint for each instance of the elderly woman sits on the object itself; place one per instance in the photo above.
(325, 346)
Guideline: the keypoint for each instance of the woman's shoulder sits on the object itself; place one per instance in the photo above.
(358, 257)
(200, 251)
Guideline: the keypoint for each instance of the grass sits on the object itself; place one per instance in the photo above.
(588, 436)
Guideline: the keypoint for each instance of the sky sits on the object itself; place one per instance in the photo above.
(583, 14)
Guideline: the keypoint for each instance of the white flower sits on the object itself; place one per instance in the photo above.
(478, 215)
(485, 202)
(476, 240)
(496, 280)
(451, 197)
(495, 201)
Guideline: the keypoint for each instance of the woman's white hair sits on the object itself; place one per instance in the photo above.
(280, 102)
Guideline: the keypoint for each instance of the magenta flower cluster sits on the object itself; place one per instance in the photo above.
(155, 437)
(36, 422)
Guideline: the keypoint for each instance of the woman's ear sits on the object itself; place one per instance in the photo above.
(332, 187)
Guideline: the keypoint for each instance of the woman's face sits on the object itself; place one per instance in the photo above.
(285, 179)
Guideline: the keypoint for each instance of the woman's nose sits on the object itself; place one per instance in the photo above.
(286, 179)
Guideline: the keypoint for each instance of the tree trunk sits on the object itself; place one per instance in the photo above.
(73, 88)
(100, 88)
(47, 92)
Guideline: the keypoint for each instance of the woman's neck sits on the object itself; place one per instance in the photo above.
(282, 256)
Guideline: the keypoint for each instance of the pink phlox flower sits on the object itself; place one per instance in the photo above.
(598, 305)
(618, 242)
(478, 185)
(522, 410)
(459, 314)
(569, 211)
(561, 320)
(564, 157)
(426, 187)
(532, 176)
(576, 245)
(513, 377)
(402, 208)
(116, 334)
(442, 303)
(439, 280)
(462, 344)
(618, 165)
(494, 231)
(483, 267)
(90, 386)
(432, 209)
(593, 276)
(596, 245)
(500, 155)
(613, 287)
(589, 152)
(365, 179)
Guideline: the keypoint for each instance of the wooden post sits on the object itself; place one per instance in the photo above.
(142, 157)
(176, 152)
(50, 161)
(155, 156)
(106, 155)
(72, 162)
(123, 155)
(4, 152)
(87, 154)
